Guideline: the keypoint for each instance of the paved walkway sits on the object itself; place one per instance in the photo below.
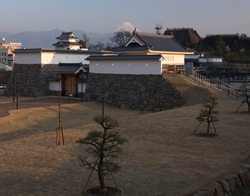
(41, 102)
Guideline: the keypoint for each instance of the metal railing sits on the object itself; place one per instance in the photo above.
(218, 84)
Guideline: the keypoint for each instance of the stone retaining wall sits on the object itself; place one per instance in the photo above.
(4, 77)
(32, 79)
(142, 92)
(228, 186)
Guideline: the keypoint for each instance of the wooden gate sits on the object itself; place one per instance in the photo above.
(69, 85)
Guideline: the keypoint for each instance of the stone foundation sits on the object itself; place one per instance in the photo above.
(141, 92)
(227, 186)
(32, 79)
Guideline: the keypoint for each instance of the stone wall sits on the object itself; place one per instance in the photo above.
(142, 92)
(32, 79)
(4, 77)
(229, 186)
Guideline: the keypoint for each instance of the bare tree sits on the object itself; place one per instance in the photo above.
(97, 47)
(245, 92)
(120, 38)
(86, 40)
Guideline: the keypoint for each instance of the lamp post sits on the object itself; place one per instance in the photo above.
(81, 76)
(17, 93)
(13, 89)
(59, 129)
(102, 103)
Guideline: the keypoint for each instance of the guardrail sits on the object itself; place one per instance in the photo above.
(218, 84)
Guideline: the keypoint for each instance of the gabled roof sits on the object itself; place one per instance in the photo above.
(70, 68)
(67, 35)
(153, 42)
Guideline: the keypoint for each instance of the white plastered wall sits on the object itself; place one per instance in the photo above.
(49, 58)
(125, 66)
(28, 58)
(172, 59)
(54, 85)
(81, 88)
(55, 58)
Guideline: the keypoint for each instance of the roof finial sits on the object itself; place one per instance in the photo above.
(134, 32)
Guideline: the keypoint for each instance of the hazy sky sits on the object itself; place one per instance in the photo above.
(104, 16)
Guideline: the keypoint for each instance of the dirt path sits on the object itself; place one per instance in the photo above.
(7, 103)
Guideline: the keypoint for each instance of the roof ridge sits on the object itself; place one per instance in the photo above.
(154, 35)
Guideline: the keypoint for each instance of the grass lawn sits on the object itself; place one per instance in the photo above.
(163, 156)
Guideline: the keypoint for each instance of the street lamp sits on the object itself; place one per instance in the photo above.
(81, 77)
(17, 93)
(13, 89)
(102, 103)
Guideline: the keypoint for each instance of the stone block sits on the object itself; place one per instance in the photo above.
(200, 193)
(218, 189)
(243, 177)
(225, 186)
(237, 181)
(231, 183)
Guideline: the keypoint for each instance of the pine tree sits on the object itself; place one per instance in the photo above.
(245, 92)
(208, 114)
(102, 145)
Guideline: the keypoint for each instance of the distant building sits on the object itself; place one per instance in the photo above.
(143, 54)
(67, 41)
(38, 69)
(188, 37)
(6, 53)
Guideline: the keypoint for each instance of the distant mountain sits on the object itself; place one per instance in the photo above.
(45, 39)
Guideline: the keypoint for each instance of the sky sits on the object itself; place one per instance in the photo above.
(104, 16)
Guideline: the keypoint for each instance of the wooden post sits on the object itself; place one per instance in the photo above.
(17, 94)
(59, 129)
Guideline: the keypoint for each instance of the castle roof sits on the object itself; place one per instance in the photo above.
(65, 44)
(67, 35)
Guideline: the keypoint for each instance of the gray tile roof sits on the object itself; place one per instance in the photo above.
(37, 50)
(161, 42)
(125, 57)
(131, 47)
(68, 67)
(66, 35)
(154, 42)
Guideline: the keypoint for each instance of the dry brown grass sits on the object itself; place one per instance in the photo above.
(9, 99)
(163, 156)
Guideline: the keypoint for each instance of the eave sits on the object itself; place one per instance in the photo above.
(169, 52)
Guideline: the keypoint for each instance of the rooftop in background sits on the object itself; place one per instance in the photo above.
(67, 35)
(186, 36)
(67, 41)
(152, 42)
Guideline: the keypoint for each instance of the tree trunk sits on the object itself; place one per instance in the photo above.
(100, 174)
(208, 125)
